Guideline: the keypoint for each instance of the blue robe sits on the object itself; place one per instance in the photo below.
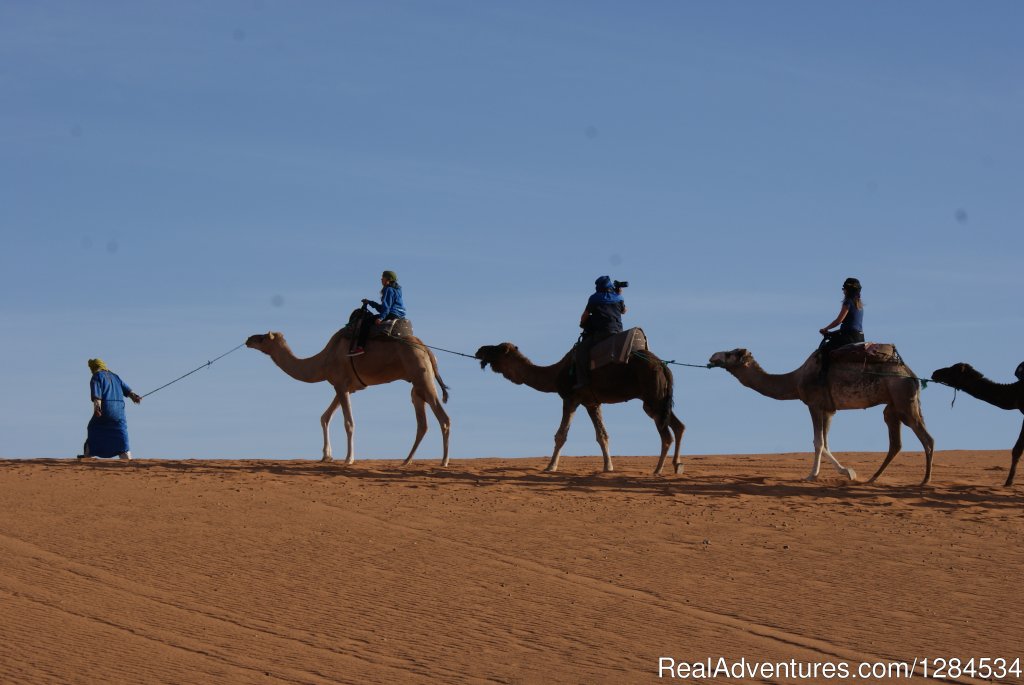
(108, 434)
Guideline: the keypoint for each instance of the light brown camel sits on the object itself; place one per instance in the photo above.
(1003, 395)
(849, 386)
(383, 362)
(645, 377)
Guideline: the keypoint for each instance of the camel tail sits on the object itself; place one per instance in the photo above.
(666, 387)
(669, 400)
(437, 376)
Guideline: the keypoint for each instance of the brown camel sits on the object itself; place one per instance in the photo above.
(384, 361)
(1003, 395)
(849, 386)
(645, 377)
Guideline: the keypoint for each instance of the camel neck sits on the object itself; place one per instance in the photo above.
(308, 370)
(522, 371)
(1002, 395)
(783, 386)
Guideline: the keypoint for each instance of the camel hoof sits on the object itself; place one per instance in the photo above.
(679, 469)
(813, 478)
(850, 473)
(550, 470)
(327, 459)
(657, 472)
(349, 462)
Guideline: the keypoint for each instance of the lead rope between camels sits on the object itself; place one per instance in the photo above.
(207, 364)
(923, 381)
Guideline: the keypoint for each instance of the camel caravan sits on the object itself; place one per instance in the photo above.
(618, 366)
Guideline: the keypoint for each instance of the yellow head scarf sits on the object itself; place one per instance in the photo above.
(97, 365)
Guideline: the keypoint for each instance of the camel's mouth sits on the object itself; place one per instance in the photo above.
(717, 360)
(486, 355)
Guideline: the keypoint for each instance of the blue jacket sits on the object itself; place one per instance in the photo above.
(605, 309)
(391, 303)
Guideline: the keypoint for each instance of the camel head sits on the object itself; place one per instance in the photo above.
(264, 343)
(956, 374)
(732, 359)
(495, 355)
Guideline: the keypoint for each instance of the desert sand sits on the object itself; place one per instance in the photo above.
(491, 571)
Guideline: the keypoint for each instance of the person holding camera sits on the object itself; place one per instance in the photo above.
(601, 319)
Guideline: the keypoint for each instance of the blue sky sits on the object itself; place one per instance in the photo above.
(177, 176)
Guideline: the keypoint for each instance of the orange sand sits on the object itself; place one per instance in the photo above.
(493, 572)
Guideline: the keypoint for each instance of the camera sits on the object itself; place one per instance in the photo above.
(619, 285)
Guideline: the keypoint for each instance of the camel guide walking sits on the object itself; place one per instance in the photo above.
(108, 428)
(601, 318)
(391, 306)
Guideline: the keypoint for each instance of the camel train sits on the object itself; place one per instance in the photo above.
(859, 376)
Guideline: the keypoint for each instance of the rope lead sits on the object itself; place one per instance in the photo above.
(207, 364)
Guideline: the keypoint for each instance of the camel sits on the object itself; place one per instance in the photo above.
(645, 377)
(384, 361)
(1003, 395)
(848, 387)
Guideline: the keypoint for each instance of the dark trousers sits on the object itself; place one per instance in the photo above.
(832, 341)
(365, 326)
(582, 357)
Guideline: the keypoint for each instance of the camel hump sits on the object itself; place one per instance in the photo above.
(867, 353)
(618, 348)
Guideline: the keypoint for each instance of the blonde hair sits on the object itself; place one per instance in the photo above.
(97, 365)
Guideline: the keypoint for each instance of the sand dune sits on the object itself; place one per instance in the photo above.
(493, 572)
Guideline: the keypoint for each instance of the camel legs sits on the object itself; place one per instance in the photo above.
(568, 409)
(826, 426)
(444, 422)
(676, 427)
(1015, 457)
(421, 423)
(345, 400)
(895, 440)
(602, 435)
(916, 423)
(822, 421)
(420, 401)
(893, 418)
(325, 424)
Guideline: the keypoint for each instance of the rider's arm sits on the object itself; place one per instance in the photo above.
(839, 319)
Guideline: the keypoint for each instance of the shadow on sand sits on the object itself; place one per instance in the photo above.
(502, 473)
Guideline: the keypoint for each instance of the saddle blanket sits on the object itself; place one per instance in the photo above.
(618, 348)
(867, 353)
(393, 328)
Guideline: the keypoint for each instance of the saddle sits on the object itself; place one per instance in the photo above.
(866, 353)
(618, 348)
(392, 328)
